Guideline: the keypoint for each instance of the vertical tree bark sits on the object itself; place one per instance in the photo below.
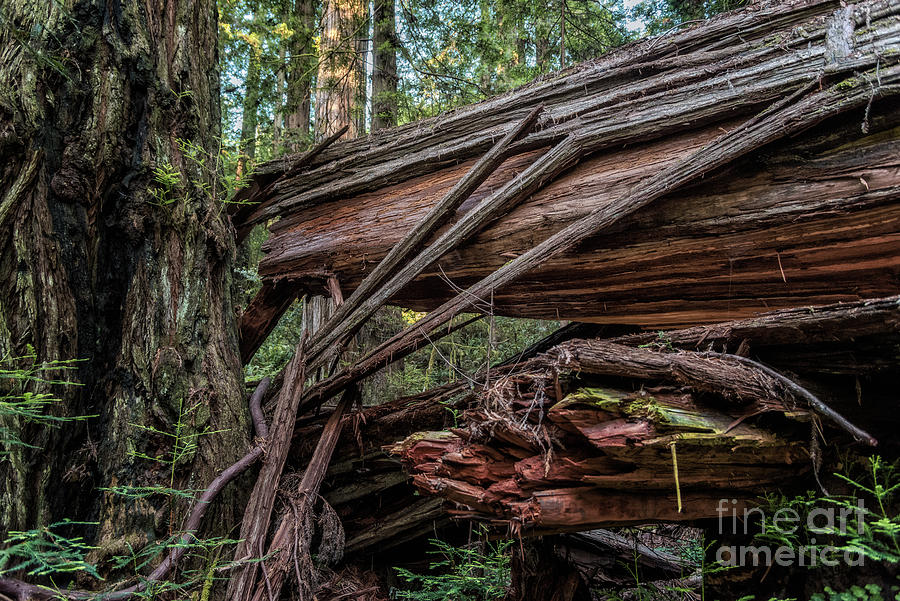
(250, 115)
(384, 74)
(362, 40)
(562, 35)
(117, 251)
(338, 80)
(300, 73)
(280, 81)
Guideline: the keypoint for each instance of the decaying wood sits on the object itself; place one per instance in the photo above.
(791, 114)
(262, 315)
(258, 513)
(848, 322)
(292, 539)
(736, 378)
(737, 48)
(600, 455)
(262, 183)
(601, 556)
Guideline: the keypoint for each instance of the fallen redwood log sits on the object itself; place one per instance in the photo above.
(811, 219)
(602, 457)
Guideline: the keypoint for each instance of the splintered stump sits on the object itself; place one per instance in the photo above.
(551, 452)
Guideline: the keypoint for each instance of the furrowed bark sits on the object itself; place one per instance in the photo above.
(24, 591)
(116, 253)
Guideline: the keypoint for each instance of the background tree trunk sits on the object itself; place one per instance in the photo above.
(384, 75)
(250, 117)
(300, 73)
(338, 81)
(117, 251)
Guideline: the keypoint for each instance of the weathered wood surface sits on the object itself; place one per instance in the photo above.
(802, 224)
(581, 435)
(601, 457)
(706, 59)
(809, 220)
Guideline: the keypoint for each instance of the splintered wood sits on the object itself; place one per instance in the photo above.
(558, 445)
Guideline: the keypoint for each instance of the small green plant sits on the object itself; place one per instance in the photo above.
(46, 552)
(478, 572)
(183, 445)
(20, 404)
(168, 179)
(868, 592)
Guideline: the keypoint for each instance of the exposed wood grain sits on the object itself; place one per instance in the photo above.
(791, 114)
(709, 69)
(292, 539)
(258, 513)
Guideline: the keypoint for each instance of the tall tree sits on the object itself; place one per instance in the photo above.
(301, 70)
(338, 81)
(250, 114)
(384, 73)
(116, 251)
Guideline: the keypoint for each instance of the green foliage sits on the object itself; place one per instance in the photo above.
(46, 552)
(21, 405)
(477, 572)
(182, 446)
(661, 16)
(868, 592)
(871, 527)
(168, 179)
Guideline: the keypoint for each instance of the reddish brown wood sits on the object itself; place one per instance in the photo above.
(724, 238)
(257, 514)
(262, 315)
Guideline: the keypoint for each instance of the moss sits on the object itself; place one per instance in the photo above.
(849, 83)
(605, 399)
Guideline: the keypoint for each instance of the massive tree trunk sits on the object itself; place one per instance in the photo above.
(384, 74)
(116, 251)
(809, 220)
(338, 81)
